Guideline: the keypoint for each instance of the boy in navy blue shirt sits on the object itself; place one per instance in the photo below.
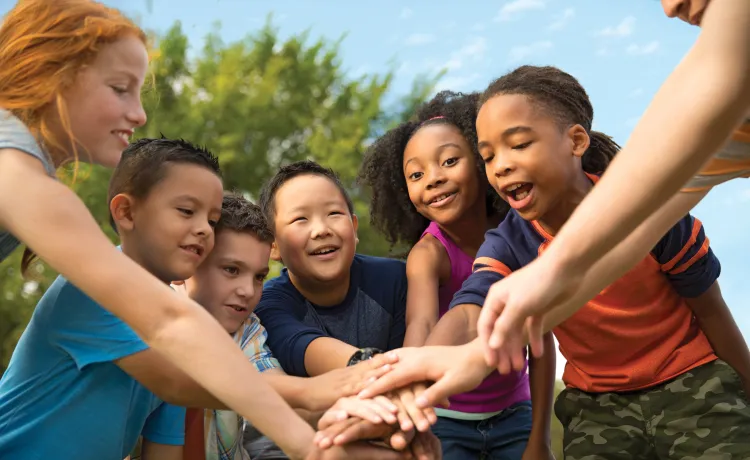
(329, 307)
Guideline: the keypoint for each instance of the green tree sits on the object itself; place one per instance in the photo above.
(257, 103)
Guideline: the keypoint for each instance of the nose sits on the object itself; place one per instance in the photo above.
(501, 166)
(137, 115)
(319, 229)
(246, 291)
(672, 8)
(202, 228)
(435, 177)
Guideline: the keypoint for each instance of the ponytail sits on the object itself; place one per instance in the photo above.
(602, 149)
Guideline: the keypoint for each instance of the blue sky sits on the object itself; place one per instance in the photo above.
(621, 51)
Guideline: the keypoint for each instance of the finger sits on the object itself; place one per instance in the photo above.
(487, 317)
(415, 413)
(361, 430)
(404, 421)
(382, 359)
(438, 393)
(418, 449)
(385, 409)
(400, 440)
(332, 416)
(324, 439)
(428, 412)
(365, 451)
(503, 363)
(398, 377)
(372, 375)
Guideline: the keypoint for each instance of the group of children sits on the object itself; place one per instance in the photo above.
(478, 185)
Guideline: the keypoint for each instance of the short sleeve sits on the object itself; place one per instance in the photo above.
(253, 343)
(494, 261)
(686, 258)
(87, 332)
(281, 313)
(166, 425)
(15, 135)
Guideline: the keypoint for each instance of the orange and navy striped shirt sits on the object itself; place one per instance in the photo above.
(731, 162)
(636, 333)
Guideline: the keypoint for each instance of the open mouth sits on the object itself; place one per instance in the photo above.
(194, 248)
(519, 194)
(324, 251)
(237, 308)
(441, 200)
(124, 136)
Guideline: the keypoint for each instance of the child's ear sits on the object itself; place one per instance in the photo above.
(275, 254)
(355, 223)
(579, 139)
(121, 209)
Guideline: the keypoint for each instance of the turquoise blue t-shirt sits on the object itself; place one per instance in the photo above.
(63, 397)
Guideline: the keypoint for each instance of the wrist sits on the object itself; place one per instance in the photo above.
(363, 354)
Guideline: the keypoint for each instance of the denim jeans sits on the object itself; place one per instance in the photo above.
(502, 437)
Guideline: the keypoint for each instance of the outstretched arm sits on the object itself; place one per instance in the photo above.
(55, 223)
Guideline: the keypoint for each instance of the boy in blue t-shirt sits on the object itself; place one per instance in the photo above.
(329, 303)
(81, 383)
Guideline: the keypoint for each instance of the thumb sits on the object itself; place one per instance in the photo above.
(438, 393)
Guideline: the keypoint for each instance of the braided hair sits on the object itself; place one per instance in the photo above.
(563, 97)
(391, 210)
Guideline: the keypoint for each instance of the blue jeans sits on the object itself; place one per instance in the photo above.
(502, 437)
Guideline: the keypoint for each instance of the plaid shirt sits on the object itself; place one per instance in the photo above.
(223, 428)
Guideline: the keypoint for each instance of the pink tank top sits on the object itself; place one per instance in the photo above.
(496, 392)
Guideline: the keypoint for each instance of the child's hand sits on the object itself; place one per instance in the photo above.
(326, 389)
(426, 446)
(454, 369)
(377, 410)
(409, 414)
(354, 429)
(514, 308)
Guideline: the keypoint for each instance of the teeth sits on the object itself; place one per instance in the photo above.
(441, 197)
(522, 195)
(513, 187)
(323, 251)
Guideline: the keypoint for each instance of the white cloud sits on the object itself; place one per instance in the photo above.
(518, 53)
(563, 20)
(623, 29)
(419, 39)
(406, 13)
(473, 50)
(511, 9)
(648, 48)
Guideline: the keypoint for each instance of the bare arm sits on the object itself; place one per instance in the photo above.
(154, 451)
(542, 382)
(722, 332)
(422, 302)
(326, 354)
(457, 327)
(54, 222)
(675, 137)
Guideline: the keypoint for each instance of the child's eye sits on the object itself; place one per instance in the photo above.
(260, 278)
(336, 213)
(415, 176)
(450, 162)
(119, 89)
(234, 271)
(522, 146)
(213, 223)
(488, 158)
(298, 219)
(186, 212)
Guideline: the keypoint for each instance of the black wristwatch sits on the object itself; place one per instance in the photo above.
(363, 354)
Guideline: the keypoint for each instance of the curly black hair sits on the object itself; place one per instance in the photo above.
(565, 99)
(391, 210)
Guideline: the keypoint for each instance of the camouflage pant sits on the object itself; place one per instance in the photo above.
(702, 414)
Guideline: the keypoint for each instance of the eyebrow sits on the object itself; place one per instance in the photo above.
(508, 132)
(438, 150)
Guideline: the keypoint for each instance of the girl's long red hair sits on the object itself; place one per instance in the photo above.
(43, 46)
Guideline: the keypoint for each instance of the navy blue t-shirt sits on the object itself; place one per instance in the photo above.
(373, 314)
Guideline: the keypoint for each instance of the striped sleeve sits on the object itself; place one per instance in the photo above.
(686, 258)
(494, 262)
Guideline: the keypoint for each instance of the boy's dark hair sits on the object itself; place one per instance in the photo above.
(290, 171)
(143, 165)
(391, 210)
(567, 102)
(239, 214)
